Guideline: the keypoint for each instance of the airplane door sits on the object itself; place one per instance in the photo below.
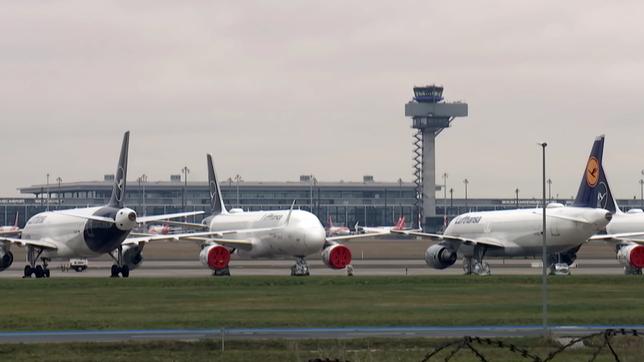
(554, 229)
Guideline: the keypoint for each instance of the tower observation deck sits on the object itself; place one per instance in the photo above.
(430, 114)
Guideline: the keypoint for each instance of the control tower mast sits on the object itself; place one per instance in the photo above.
(430, 115)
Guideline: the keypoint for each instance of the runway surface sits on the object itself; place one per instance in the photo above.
(302, 333)
(384, 267)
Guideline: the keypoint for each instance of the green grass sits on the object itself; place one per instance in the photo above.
(60, 304)
(356, 350)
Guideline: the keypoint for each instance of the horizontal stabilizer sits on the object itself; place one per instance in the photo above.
(146, 219)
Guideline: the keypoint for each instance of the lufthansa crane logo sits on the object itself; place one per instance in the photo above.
(213, 190)
(592, 171)
(119, 184)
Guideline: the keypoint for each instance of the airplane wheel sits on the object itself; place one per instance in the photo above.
(115, 271)
(125, 271)
(39, 272)
(28, 271)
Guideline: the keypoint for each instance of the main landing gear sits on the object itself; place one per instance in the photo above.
(119, 267)
(474, 264)
(300, 269)
(225, 272)
(39, 271)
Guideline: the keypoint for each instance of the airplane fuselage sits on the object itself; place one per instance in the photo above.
(304, 234)
(626, 223)
(520, 230)
(75, 236)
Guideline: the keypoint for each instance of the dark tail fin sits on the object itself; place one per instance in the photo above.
(216, 201)
(118, 190)
(594, 190)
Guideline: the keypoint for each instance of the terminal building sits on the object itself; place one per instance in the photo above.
(368, 202)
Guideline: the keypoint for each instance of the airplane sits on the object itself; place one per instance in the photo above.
(265, 234)
(160, 229)
(85, 232)
(11, 230)
(625, 230)
(398, 226)
(518, 233)
(333, 230)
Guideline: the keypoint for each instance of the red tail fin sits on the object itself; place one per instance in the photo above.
(400, 224)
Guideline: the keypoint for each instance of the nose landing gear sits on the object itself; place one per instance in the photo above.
(475, 264)
(39, 271)
(300, 268)
(119, 267)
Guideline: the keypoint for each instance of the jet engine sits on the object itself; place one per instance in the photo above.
(631, 255)
(440, 257)
(132, 256)
(6, 259)
(125, 219)
(215, 257)
(336, 256)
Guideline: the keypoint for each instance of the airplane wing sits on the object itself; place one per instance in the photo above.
(335, 239)
(27, 242)
(187, 224)
(452, 239)
(146, 219)
(206, 236)
(15, 232)
(620, 237)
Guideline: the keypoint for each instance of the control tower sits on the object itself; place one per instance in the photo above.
(430, 114)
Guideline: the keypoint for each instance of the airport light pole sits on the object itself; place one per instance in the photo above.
(444, 197)
(451, 198)
(549, 190)
(48, 193)
(466, 182)
(238, 179)
(312, 181)
(59, 180)
(185, 170)
(400, 196)
(641, 194)
(143, 180)
(544, 261)
(516, 192)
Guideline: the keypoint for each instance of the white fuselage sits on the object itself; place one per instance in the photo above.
(626, 222)
(304, 234)
(520, 230)
(66, 231)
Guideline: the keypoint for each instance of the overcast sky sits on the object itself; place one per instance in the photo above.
(275, 89)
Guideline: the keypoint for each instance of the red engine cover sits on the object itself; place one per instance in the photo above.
(339, 257)
(218, 257)
(636, 257)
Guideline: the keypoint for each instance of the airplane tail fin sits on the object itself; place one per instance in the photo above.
(594, 190)
(118, 189)
(15, 223)
(330, 221)
(216, 201)
(400, 224)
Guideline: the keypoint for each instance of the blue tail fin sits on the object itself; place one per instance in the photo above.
(594, 190)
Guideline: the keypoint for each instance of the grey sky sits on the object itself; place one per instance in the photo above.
(275, 89)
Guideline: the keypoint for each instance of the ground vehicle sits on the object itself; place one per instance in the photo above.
(78, 264)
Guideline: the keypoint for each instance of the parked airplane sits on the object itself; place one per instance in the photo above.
(512, 233)
(86, 232)
(11, 230)
(265, 234)
(334, 230)
(399, 226)
(625, 230)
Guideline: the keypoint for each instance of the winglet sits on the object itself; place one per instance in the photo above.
(216, 201)
(594, 191)
(118, 189)
(288, 217)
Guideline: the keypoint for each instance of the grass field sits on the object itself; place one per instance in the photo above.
(355, 350)
(61, 304)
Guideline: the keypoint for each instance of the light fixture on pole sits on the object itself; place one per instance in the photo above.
(544, 260)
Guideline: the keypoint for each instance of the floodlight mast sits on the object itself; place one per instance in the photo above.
(430, 115)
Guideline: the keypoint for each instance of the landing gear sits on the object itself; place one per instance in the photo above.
(474, 264)
(225, 272)
(300, 269)
(39, 271)
(629, 270)
(119, 268)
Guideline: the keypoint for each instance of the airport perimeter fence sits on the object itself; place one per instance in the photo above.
(597, 342)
